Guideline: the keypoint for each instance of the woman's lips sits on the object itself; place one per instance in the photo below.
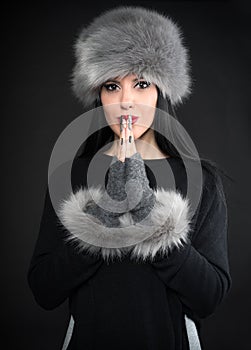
(134, 118)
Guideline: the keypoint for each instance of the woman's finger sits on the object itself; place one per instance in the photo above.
(130, 144)
(122, 140)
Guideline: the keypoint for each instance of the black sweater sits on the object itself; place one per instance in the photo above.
(135, 305)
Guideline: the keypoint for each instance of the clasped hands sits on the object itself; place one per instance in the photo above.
(126, 145)
(127, 188)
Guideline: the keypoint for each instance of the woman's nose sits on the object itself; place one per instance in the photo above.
(127, 100)
(126, 105)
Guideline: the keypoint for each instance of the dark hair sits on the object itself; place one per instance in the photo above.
(104, 135)
(167, 147)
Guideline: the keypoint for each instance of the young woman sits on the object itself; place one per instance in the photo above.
(142, 270)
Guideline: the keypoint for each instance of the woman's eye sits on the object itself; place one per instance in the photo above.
(143, 84)
(110, 87)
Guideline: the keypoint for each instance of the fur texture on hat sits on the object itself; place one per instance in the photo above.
(131, 40)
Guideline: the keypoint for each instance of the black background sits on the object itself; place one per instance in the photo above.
(37, 59)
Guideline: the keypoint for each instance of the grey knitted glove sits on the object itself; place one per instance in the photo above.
(127, 190)
(138, 189)
(114, 201)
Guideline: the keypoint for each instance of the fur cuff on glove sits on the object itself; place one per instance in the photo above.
(166, 226)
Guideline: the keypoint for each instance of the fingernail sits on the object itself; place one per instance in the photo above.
(130, 138)
(121, 140)
(130, 122)
(121, 123)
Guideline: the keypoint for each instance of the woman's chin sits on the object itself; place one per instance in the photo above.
(139, 132)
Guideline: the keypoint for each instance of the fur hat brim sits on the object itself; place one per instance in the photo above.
(131, 40)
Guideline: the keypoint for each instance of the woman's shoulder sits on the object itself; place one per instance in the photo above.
(212, 177)
(213, 188)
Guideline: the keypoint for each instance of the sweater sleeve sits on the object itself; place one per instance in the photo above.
(56, 267)
(199, 272)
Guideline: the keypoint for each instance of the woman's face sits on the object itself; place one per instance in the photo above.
(129, 96)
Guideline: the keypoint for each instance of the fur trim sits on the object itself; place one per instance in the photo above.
(166, 226)
(131, 39)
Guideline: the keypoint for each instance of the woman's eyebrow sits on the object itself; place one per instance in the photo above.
(116, 81)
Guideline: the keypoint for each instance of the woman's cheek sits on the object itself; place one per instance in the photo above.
(116, 129)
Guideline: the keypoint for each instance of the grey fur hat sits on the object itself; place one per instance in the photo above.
(131, 39)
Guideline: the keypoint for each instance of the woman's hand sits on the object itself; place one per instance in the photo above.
(134, 184)
(126, 147)
(127, 186)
